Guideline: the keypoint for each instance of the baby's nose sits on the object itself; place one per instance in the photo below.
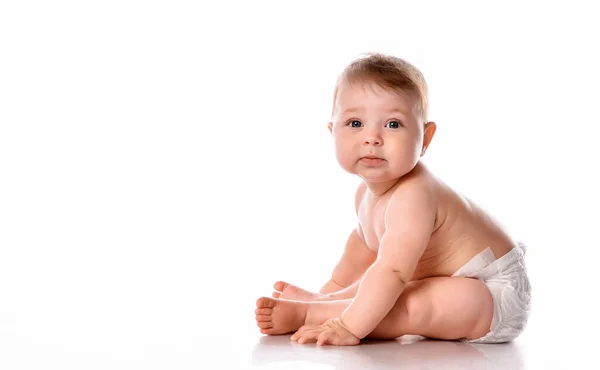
(372, 140)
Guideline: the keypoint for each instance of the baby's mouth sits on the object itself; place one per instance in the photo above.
(371, 160)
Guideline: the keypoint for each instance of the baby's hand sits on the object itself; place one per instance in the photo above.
(331, 331)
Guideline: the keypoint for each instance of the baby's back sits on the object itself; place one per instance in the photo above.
(462, 230)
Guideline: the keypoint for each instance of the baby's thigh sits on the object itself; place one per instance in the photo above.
(448, 307)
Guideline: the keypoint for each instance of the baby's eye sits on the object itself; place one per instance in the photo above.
(393, 124)
(355, 123)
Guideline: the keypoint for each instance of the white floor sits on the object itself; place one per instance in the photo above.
(218, 342)
(405, 353)
(412, 352)
(533, 350)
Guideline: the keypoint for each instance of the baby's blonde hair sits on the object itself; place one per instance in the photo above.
(389, 72)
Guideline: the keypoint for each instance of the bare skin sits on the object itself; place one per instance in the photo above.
(438, 263)
(413, 232)
(288, 291)
(423, 309)
(448, 249)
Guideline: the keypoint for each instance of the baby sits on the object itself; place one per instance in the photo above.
(422, 259)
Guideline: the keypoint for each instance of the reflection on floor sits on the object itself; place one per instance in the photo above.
(406, 353)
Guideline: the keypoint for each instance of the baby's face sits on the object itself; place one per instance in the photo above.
(369, 121)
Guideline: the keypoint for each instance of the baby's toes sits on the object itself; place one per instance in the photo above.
(263, 315)
(280, 285)
(263, 318)
(263, 311)
(265, 302)
(264, 324)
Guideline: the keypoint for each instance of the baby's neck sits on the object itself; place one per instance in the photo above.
(378, 189)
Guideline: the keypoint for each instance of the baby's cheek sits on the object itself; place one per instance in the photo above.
(341, 148)
(410, 157)
(342, 155)
(345, 157)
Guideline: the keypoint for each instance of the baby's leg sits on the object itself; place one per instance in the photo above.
(288, 291)
(281, 316)
(440, 307)
(284, 290)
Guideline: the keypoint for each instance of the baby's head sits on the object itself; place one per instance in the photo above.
(380, 110)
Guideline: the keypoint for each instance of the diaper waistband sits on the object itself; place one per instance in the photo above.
(486, 263)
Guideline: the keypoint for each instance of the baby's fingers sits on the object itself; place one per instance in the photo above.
(306, 334)
(327, 337)
(302, 330)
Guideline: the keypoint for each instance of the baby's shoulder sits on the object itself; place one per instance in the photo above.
(417, 190)
(359, 195)
(418, 181)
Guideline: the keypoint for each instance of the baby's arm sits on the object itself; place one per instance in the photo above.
(355, 260)
(409, 221)
(357, 256)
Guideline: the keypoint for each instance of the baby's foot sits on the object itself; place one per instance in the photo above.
(285, 290)
(277, 316)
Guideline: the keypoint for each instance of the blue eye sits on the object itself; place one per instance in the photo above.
(355, 123)
(393, 124)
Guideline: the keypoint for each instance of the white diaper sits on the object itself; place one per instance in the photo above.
(507, 280)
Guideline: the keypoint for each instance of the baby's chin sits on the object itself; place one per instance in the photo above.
(377, 179)
(378, 174)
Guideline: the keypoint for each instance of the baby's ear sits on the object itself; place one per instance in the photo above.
(430, 128)
(330, 127)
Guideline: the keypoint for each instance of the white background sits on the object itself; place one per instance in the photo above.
(163, 163)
